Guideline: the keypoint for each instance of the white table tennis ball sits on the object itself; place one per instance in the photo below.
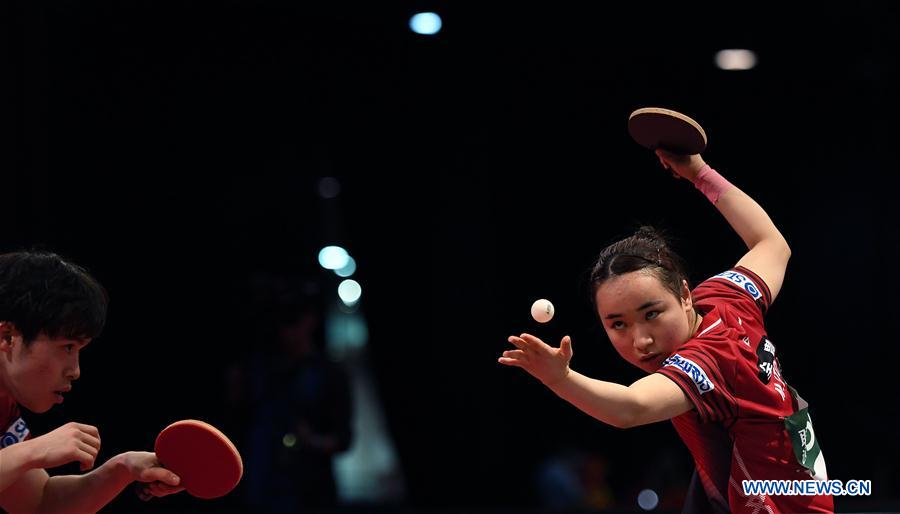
(542, 311)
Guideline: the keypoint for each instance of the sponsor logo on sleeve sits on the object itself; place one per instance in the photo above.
(765, 360)
(742, 281)
(693, 371)
(16, 433)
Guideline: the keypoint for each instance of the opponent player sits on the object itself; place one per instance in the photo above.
(50, 310)
(711, 368)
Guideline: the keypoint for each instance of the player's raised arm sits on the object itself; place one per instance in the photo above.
(768, 250)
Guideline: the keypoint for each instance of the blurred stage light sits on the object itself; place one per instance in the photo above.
(647, 499)
(349, 291)
(289, 440)
(425, 23)
(735, 59)
(348, 269)
(329, 187)
(333, 257)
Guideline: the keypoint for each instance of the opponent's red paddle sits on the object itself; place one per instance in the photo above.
(654, 127)
(207, 462)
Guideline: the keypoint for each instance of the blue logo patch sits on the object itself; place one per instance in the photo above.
(742, 281)
(16, 433)
(692, 370)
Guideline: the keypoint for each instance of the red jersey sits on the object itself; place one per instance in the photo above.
(745, 422)
(11, 420)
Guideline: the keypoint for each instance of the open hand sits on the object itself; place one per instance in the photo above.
(546, 363)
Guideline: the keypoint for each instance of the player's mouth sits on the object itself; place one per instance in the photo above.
(59, 394)
(647, 358)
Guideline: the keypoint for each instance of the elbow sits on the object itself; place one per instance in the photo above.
(775, 246)
(785, 251)
(626, 418)
(785, 248)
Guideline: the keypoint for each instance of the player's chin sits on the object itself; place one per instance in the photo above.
(38, 406)
(643, 366)
(652, 365)
(649, 369)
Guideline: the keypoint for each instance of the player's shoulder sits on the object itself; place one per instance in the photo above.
(13, 426)
(734, 285)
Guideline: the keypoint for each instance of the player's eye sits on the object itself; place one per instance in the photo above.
(652, 314)
(616, 325)
(69, 348)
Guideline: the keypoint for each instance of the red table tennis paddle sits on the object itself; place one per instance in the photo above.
(654, 127)
(207, 462)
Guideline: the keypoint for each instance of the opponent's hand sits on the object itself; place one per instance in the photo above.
(153, 480)
(547, 364)
(69, 443)
(685, 166)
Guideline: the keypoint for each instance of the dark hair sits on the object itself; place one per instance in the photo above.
(42, 293)
(646, 250)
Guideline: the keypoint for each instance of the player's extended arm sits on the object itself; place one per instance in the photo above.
(768, 250)
(38, 493)
(650, 399)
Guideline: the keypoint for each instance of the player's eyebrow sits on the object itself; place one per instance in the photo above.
(647, 305)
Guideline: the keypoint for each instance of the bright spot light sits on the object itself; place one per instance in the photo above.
(348, 269)
(735, 59)
(647, 499)
(425, 23)
(333, 257)
(349, 291)
(289, 440)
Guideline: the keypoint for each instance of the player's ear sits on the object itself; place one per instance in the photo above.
(7, 333)
(686, 300)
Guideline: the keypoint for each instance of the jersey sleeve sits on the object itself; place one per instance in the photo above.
(16, 430)
(743, 289)
(702, 377)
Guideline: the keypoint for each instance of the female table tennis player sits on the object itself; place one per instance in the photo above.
(711, 368)
(49, 310)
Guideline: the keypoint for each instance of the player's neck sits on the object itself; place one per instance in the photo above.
(698, 320)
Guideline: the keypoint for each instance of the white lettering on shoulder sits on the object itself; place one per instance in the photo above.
(693, 371)
(742, 281)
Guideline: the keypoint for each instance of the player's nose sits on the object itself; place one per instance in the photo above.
(74, 371)
(642, 341)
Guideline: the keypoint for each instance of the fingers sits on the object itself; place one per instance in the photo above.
(565, 346)
(513, 358)
(86, 457)
(94, 441)
(88, 429)
(160, 489)
(158, 474)
(518, 342)
(530, 348)
(531, 340)
(87, 438)
(88, 446)
(148, 491)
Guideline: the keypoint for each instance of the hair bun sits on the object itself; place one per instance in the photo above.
(649, 233)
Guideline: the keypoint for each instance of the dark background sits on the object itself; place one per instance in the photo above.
(174, 149)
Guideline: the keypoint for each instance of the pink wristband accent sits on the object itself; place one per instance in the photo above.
(711, 184)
